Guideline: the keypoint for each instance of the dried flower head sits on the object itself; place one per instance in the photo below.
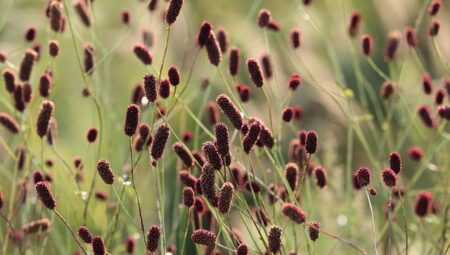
(313, 230)
(150, 87)
(363, 176)
(173, 11)
(234, 61)
(9, 123)
(287, 114)
(251, 137)
(296, 38)
(321, 176)
(131, 120)
(105, 171)
(203, 34)
(294, 213)
(411, 37)
(183, 154)
(143, 54)
(159, 142)
(92, 135)
(291, 174)
(130, 245)
(395, 162)
(225, 197)
(126, 16)
(392, 43)
(427, 116)
(85, 234)
(188, 197)
(255, 72)
(389, 177)
(267, 66)
(212, 155)
(294, 82)
(153, 235)
(30, 34)
(45, 195)
(230, 110)
(422, 204)
(164, 89)
(26, 66)
(203, 237)
(213, 49)
(222, 38)
(207, 183)
(10, 80)
(434, 7)
(434, 27)
(311, 142)
(222, 139)
(355, 23)
(242, 249)
(387, 90)
(36, 226)
(98, 246)
(275, 239)
(43, 121)
(174, 76)
(264, 17)
(367, 44)
(415, 153)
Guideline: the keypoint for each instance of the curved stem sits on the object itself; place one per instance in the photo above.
(373, 222)
(70, 229)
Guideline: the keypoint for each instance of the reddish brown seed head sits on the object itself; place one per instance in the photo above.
(395, 162)
(164, 89)
(434, 28)
(137, 94)
(126, 16)
(427, 116)
(422, 204)
(355, 24)
(43, 122)
(225, 197)
(36, 226)
(143, 54)
(174, 76)
(203, 237)
(294, 82)
(222, 139)
(387, 90)
(26, 66)
(391, 46)
(251, 137)
(30, 34)
(287, 114)
(153, 235)
(203, 34)
(159, 142)
(255, 72)
(230, 110)
(311, 142)
(92, 135)
(321, 176)
(411, 37)
(98, 246)
(10, 80)
(88, 58)
(55, 13)
(367, 44)
(53, 48)
(313, 230)
(415, 153)
(439, 96)
(427, 83)
(294, 213)
(207, 184)
(444, 111)
(19, 102)
(188, 197)
(85, 234)
(242, 249)
(131, 120)
(45, 83)
(150, 87)
(105, 171)
(234, 61)
(183, 154)
(363, 176)
(389, 177)
(267, 66)
(434, 7)
(291, 174)
(82, 10)
(45, 195)
(9, 123)
(152, 5)
(355, 182)
(212, 155)
(296, 38)
(173, 11)
(244, 92)
(187, 179)
(275, 239)
(213, 49)
(222, 38)
(264, 17)
(130, 245)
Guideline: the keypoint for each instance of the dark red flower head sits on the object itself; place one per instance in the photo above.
(392, 43)
(98, 246)
(434, 7)
(174, 76)
(9, 123)
(291, 174)
(264, 17)
(363, 176)
(150, 87)
(45, 195)
(294, 82)
(411, 37)
(296, 38)
(212, 155)
(105, 171)
(183, 154)
(422, 205)
(143, 54)
(164, 89)
(203, 237)
(275, 239)
(234, 61)
(85, 234)
(251, 137)
(225, 197)
(311, 142)
(242, 249)
(10, 80)
(427, 116)
(287, 114)
(131, 120)
(43, 121)
(434, 27)
(92, 134)
(222, 139)
(314, 231)
(188, 197)
(415, 153)
(222, 38)
(26, 66)
(159, 142)
(230, 110)
(294, 213)
(213, 49)
(367, 44)
(389, 177)
(203, 34)
(387, 90)
(173, 11)
(153, 235)
(207, 183)
(355, 23)
(321, 176)
(255, 72)
(395, 162)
